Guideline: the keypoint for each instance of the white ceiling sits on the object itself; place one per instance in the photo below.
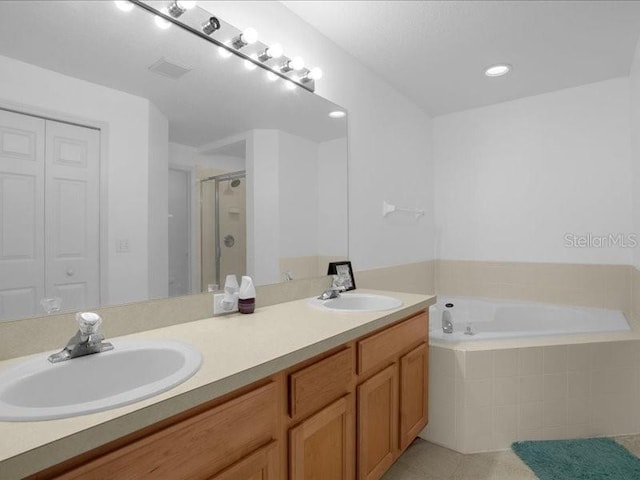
(435, 51)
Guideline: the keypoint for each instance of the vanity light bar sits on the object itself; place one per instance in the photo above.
(242, 43)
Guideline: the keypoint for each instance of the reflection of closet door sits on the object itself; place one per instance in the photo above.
(21, 214)
(72, 215)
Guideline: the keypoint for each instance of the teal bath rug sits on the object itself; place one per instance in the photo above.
(583, 459)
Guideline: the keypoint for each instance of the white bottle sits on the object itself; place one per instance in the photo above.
(231, 288)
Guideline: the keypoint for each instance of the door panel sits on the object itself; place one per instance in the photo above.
(21, 214)
(72, 267)
(322, 447)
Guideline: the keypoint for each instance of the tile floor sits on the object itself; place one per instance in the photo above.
(427, 461)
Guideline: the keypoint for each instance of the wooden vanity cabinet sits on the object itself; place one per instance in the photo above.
(392, 393)
(345, 414)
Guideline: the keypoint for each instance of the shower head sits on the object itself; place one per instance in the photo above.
(231, 183)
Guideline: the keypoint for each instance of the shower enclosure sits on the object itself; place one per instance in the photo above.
(223, 228)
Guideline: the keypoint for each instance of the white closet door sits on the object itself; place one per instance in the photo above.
(21, 215)
(72, 268)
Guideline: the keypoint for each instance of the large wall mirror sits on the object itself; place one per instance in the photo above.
(137, 163)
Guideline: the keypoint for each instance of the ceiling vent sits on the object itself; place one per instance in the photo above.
(169, 69)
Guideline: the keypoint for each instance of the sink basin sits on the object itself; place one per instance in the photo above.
(358, 302)
(134, 370)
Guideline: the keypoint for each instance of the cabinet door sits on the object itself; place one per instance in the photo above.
(377, 423)
(322, 446)
(414, 382)
(260, 465)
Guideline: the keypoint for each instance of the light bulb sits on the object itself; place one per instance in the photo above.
(161, 23)
(315, 73)
(290, 85)
(250, 65)
(249, 36)
(274, 51)
(125, 5)
(337, 114)
(272, 77)
(297, 63)
(224, 53)
(186, 4)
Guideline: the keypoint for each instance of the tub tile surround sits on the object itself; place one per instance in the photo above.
(416, 277)
(602, 286)
(483, 401)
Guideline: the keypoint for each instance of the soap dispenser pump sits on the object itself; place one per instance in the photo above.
(247, 296)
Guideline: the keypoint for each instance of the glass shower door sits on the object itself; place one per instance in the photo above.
(223, 228)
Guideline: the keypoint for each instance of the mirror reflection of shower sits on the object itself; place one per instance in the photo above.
(223, 227)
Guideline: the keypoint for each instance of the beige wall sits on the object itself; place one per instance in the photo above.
(306, 267)
(605, 286)
(635, 293)
(411, 278)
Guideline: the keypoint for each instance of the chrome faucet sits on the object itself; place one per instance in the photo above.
(87, 340)
(334, 290)
(447, 321)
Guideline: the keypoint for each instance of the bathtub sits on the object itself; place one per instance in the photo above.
(543, 372)
(488, 319)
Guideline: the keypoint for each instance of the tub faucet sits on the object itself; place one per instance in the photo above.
(87, 340)
(447, 323)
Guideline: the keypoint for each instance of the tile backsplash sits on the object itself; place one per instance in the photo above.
(603, 286)
(485, 400)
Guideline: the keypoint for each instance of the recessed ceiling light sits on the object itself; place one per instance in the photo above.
(337, 114)
(497, 70)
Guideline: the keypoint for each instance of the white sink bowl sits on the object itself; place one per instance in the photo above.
(37, 389)
(358, 302)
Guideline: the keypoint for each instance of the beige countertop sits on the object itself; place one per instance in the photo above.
(237, 351)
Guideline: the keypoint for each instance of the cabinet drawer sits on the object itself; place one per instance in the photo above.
(198, 447)
(261, 464)
(389, 343)
(313, 387)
